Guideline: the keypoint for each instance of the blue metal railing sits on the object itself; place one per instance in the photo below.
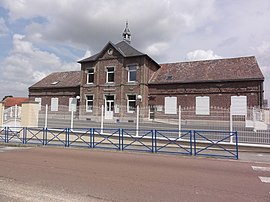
(139, 140)
(173, 141)
(206, 143)
(215, 143)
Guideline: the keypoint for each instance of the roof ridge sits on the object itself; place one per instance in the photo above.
(206, 60)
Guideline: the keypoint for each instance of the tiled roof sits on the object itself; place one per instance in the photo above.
(59, 80)
(127, 50)
(12, 101)
(232, 69)
(123, 47)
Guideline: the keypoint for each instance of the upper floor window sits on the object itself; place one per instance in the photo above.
(110, 75)
(132, 73)
(90, 75)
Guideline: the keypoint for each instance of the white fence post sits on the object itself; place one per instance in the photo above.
(102, 118)
(137, 120)
(231, 125)
(46, 116)
(254, 119)
(179, 120)
(72, 117)
(15, 116)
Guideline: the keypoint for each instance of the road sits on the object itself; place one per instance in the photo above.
(68, 174)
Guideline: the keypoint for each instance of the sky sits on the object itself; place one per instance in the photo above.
(38, 37)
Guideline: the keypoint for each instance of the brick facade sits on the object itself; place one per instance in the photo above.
(217, 79)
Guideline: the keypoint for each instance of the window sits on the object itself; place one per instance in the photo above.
(90, 75)
(72, 104)
(132, 73)
(38, 99)
(110, 74)
(131, 103)
(170, 105)
(89, 103)
(239, 105)
(202, 105)
(54, 104)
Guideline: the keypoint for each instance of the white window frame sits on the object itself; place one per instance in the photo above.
(170, 105)
(92, 73)
(54, 104)
(132, 68)
(203, 105)
(72, 104)
(128, 103)
(39, 100)
(86, 103)
(110, 72)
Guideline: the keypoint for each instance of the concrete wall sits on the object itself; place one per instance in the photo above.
(29, 114)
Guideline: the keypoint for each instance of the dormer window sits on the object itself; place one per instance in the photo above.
(90, 76)
(110, 75)
(55, 82)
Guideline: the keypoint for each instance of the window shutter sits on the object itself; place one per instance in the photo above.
(239, 105)
(38, 99)
(54, 104)
(170, 105)
(202, 105)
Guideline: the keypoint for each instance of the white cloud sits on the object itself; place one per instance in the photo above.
(156, 49)
(27, 64)
(202, 55)
(3, 27)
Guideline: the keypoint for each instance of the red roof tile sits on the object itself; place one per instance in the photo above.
(232, 69)
(12, 101)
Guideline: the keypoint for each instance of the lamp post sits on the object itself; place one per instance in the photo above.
(139, 100)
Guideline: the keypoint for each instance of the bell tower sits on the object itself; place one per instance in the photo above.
(126, 34)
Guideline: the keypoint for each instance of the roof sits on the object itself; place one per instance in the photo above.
(124, 48)
(232, 69)
(12, 101)
(59, 80)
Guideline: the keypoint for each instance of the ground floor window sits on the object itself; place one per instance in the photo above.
(89, 103)
(239, 105)
(170, 105)
(203, 105)
(131, 103)
(38, 99)
(54, 104)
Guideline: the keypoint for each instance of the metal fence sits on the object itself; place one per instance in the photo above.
(253, 127)
(154, 141)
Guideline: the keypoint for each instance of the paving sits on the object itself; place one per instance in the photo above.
(71, 174)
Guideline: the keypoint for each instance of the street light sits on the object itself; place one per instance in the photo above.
(139, 99)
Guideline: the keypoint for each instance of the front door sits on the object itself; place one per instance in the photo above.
(109, 106)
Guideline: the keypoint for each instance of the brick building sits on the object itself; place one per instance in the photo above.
(120, 77)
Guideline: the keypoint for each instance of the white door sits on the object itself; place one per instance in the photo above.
(109, 106)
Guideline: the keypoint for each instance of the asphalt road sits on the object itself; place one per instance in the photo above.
(68, 174)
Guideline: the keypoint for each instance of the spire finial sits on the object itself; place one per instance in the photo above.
(127, 34)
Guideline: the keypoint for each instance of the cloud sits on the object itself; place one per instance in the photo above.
(156, 49)
(3, 27)
(202, 55)
(150, 22)
(26, 65)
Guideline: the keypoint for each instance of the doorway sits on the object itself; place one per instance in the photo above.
(109, 106)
